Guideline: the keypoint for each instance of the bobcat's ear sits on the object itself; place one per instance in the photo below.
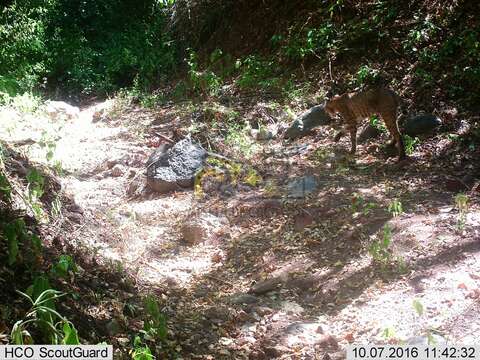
(329, 95)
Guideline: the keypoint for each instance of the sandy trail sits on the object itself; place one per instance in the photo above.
(102, 158)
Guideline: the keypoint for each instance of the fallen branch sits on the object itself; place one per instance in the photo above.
(165, 138)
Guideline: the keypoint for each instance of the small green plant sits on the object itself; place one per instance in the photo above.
(49, 145)
(22, 246)
(461, 203)
(56, 206)
(430, 332)
(359, 204)
(36, 185)
(5, 188)
(140, 351)
(366, 76)
(65, 266)
(377, 124)
(239, 139)
(379, 250)
(410, 143)
(417, 305)
(154, 331)
(43, 315)
(155, 327)
(389, 333)
(256, 72)
(252, 178)
(395, 208)
(204, 81)
(26, 103)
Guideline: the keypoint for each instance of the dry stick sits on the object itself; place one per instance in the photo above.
(165, 138)
(330, 68)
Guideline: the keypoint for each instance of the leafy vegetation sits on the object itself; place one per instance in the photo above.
(95, 46)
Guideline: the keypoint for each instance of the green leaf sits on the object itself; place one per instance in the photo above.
(64, 265)
(388, 333)
(36, 244)
(10, 232)
(16, 334)
(70, 335)
(417, 305)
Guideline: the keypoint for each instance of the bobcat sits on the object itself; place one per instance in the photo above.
(356, 106)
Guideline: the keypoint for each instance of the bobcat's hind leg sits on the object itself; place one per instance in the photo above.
(392, 126)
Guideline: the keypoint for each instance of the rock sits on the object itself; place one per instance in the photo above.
(302, 186)
(75, 217)
(327, 342)
(218, 313)
(113, 327)
(421, 124)
(202, 228)
(368, 132)
(454, 184)
(241, 298)
(123, 341)
(274, 352)
(171, 168)
(262, 134)
(307, 326)
(135, 186)
(302, 221)
(265, 286)
(390, 150)
(338, 355)
(117, 171)
(316, 116)
(102, 111)
(60, 109)
(263, 310)
(431, 339)
(468, 180)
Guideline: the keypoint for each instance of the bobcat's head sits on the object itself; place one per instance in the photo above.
(333, 105)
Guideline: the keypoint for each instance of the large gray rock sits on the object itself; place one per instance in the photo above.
(171, 168)
(316, 116)
(302, 186)
(61, 110)
(421, 124)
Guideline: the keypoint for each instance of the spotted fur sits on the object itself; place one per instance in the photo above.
(357, 106)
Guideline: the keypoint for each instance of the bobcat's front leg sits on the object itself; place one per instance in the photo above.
(353, 138)
(339, 135)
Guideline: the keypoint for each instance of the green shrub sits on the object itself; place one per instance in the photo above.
(310, 41)
(367, 76)
(89, 46)
(256, 72)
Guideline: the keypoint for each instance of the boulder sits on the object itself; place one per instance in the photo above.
(421, 124)
(173, 167)
(263, 134)
(316, 116)
(241, 298)
(202, 228)
(60, 109)
(367, 133)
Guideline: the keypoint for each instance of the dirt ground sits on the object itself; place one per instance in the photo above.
(287, 278)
